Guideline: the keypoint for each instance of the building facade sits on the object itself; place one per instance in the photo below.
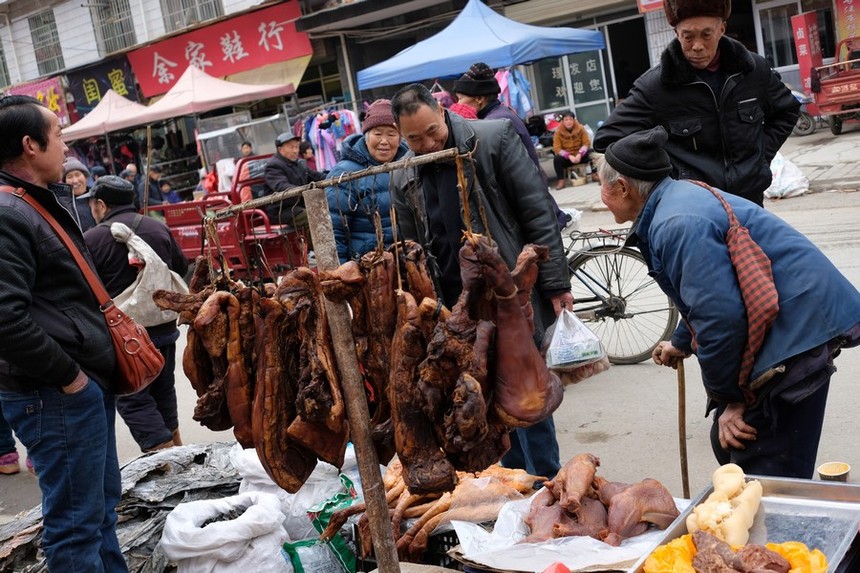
(67, 52)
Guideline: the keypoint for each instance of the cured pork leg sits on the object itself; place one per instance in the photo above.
(425, 467)
(525, 391)
(525, 276)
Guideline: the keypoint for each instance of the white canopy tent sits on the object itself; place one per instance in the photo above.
(196, 92)
(113, 112)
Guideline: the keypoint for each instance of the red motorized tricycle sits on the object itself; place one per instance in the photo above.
(836, 86)
(247, 244)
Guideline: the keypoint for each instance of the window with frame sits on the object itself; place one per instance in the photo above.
(4, 71)
(46, 42)
(113, 24)
(179, 14)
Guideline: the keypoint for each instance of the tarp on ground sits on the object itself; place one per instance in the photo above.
(113, 113)
(196, 92)
(478, 34)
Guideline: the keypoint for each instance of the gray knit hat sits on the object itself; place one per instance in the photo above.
(72, 164)
(641, 155)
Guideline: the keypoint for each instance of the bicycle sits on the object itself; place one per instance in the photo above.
(615, 296)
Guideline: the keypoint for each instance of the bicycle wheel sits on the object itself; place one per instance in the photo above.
(620, 302)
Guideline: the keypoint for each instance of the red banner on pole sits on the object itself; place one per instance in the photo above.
(236, 45)
(807, 43)
(649, 5)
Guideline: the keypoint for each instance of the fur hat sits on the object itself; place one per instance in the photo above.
(479, 80)
(72, 164)
(641, 155)
(379, 113)
(677, 10)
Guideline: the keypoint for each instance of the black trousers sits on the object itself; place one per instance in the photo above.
(559, 163)
(151, 415)
(786, 444)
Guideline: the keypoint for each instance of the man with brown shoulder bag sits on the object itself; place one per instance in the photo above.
(57, 358)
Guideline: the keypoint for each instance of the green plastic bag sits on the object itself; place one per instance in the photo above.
(320, 516)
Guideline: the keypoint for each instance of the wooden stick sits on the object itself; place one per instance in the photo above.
(339, 323)
(436, 157)
(682, 429)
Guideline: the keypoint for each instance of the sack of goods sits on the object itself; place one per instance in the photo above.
(154, 274)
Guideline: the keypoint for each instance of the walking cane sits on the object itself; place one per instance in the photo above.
(682, 429)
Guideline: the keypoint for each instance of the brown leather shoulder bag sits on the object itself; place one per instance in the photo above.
(138, 361)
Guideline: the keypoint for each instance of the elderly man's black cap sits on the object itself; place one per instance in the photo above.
(112, 190)
(641, 155)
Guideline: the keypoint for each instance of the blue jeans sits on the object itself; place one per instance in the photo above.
(534, 449)
(71, 441)
(7, 440)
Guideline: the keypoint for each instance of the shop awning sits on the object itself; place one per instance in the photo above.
(478, 34)
(112, 113)
(197, 92)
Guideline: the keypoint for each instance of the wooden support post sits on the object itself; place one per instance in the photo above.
(339, 323)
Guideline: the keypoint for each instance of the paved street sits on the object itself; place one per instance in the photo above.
(628, 415)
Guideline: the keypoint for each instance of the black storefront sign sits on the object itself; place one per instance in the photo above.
(89, 85)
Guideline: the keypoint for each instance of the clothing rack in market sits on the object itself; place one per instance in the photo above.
(340, 326)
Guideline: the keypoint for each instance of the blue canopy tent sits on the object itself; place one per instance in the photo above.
(478, 34)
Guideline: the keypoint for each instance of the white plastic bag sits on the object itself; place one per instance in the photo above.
(788, 179)
(251, 542)
(320, 485)
(136, 299)
(571, 343)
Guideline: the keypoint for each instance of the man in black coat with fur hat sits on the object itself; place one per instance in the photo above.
(726, 112)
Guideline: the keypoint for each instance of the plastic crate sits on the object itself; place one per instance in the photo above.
(437, 550)
(436, 554)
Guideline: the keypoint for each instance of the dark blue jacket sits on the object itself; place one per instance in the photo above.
(681, 232)
(51, 326)
(352, 204)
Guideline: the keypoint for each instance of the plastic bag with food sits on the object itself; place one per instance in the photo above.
(572, 350)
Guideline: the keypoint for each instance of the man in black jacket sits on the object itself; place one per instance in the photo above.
(56, 356)
(151, 415)
(507, 187)
(286, 170)
(726, 112)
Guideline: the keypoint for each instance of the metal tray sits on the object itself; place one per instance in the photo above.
(823, 515)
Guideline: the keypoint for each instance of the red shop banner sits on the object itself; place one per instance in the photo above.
(50, 93)
(807, 43)
(236, 45)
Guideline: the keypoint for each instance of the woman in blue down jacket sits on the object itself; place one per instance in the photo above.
(352, 204)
